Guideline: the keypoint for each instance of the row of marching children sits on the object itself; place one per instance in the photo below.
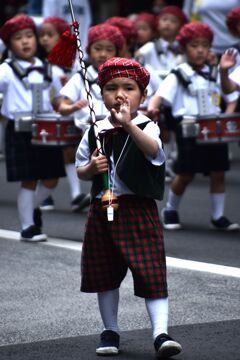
(183, 82)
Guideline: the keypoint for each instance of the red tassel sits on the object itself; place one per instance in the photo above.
(64, 52)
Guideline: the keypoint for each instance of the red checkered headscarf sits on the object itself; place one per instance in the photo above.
(15, 24)
(105, 32)
(60, 24)
(232, 20)
(176, 11)
(117, 67)
(148, 18)
(193, 31)
(125, 25)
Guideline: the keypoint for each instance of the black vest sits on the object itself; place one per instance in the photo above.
(139, 175)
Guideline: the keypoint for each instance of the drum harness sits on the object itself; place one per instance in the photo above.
(202, 94)
(36, 88)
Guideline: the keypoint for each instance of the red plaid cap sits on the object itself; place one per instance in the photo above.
(176, 11)
(105, 32)
(120, 67)
(193, 31)
(149, 18)
(60, 24)
(233, 19)
(126, 26)
(15, 24)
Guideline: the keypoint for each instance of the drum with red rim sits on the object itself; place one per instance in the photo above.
(212, 129)
(52, 129)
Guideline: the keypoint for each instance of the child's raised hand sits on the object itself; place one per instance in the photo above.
(228, 59)
(99, 163)
(122, 114)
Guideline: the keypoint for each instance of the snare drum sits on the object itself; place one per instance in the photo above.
(212, 129)
(55, 130)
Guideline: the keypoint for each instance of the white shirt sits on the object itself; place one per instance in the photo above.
(235, 75)
(163, 62)
(83, 155)
(16, 98)
(75, 90)
(185, 103)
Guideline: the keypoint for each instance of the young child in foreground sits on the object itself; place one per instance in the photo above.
(133, 158)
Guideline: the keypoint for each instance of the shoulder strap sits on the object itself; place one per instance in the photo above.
(182, 77)
(20, 72)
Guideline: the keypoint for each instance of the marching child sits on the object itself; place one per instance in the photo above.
(128, 234)
(146, 25)
(193, 89)
(49, 35)
(20, 78)
(163, 54)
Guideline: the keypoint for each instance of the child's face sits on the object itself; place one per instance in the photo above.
(48, 37)
(101, 51)
(197, 52)
(144, 32)
(24, 44)
(168, 27)
(115, 90)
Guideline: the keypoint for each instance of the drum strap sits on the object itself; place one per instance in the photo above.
(22, 73)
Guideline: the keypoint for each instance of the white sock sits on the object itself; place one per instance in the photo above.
(41, 193)
(73, 180)
(25, 202)
(158, 314)
(217, 202)
(108, 306)
(173, 201)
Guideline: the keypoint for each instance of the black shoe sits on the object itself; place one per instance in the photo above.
(33, 234)
(109, 343)
(47, 204)
(37, 217)
(224, 224)
(166, 347)
(80, 202)
(170, 219)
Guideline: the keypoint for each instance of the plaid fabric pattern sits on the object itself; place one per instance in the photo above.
(120, 67)
(25, 161)
(132, 241)
(105, 32)
(16, 23)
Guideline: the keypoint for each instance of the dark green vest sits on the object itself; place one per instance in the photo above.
(140, 176)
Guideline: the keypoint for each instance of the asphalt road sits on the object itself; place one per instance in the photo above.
(44, 316)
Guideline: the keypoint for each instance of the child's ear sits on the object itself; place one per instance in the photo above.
(144, 95)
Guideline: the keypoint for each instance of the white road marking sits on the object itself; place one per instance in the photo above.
(171, 262)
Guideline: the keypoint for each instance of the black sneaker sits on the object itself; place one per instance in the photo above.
(33, 234)
(80, 202)
(37, 217)
(165, 346)
(170, 219)
(109, 343)
(47, 204)
(224, 224)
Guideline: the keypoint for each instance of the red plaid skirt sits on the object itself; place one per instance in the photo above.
(132, 241)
